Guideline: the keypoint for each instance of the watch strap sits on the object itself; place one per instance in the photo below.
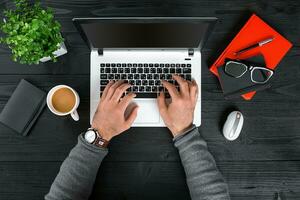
(99, 141)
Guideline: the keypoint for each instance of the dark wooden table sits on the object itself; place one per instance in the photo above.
(143, 164)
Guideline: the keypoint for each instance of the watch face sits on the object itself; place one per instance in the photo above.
(90, 136)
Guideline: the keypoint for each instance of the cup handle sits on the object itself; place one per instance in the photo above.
(75, 115)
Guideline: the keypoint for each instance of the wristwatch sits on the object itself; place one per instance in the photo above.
(92, 136)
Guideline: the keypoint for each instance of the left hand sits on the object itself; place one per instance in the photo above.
(109, 118)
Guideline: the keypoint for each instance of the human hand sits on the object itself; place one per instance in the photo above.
(109, 118)
(179, 114)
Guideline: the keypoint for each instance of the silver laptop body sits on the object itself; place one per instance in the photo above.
(141, 43)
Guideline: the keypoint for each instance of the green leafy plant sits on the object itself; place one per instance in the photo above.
(31, 32)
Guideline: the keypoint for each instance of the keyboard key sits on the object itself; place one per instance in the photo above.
(188, 77)
(118, 65)
(159, 70)
(168, 76)
(172, 65)
(166, 70)
(107, 70)
(149, 76)
(123, 76)
(120, 70)
(104, 82)
(178, 70)
(140, 65)
(143, 76)
(138, 82)
(157, 82)
(144, 82)
(183, 65)
(187, 70)
(162, 76)
(167, 65)
(161, 65)
(131, 82)
(172, 70)
(154, 89)
(140, 70)
(189, 65)
(135, 88)
(111, 76)
(107, 64)
(134, 65)
(151, 82)
(145, 65)
(148, 88)
(156, 76)
(156, 65)
(130, 76)
(127, 70)
(114, 70)
(153, 70)
(146, 70)
(146, 95)
(102, 65)
(123, 65)
(113, 64)
(133, 70)
(177, 65)
(129, 65)
(117, 76)
(102, 70)
(150, 65)
(141, 88)
(136, 76)
(103, 76)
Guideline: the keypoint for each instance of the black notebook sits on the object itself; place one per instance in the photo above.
(23, 107)
(234, 87)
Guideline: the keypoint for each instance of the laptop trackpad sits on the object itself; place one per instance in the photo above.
(147, 111)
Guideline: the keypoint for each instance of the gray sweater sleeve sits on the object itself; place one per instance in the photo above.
(204, 180)
(76, 178)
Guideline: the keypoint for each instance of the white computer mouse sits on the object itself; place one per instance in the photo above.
(233, 125)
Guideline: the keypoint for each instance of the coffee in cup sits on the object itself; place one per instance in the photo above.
(63, 100)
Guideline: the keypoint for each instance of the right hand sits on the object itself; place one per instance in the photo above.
(109, 118)
(179, 114)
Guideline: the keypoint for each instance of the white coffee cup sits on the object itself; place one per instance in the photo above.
(73, 112)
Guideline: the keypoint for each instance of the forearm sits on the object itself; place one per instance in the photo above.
(203, 177)
(77, 174)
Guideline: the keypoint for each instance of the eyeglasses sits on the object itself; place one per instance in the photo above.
(259, 75)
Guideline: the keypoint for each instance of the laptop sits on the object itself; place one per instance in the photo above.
(143, 51)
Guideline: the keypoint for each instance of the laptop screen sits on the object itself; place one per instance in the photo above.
(124, 34)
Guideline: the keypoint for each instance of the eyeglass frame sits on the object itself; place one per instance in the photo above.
(251, 69)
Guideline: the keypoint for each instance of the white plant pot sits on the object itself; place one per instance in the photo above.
(59, 52)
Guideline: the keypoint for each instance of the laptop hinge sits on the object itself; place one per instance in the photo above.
(191, 52)
(100, 52)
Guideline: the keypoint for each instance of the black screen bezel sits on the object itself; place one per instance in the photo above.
(210, 20)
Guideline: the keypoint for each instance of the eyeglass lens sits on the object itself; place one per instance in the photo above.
(261, 75)
(235, 69)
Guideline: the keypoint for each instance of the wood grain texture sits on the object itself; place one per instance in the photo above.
(143, 163)
(154, 180)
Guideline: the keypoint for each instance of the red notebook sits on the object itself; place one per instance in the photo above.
(254, 31)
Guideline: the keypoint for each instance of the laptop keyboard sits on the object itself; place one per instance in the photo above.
(145, 78)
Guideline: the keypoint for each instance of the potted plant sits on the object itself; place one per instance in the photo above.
(32, 33)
